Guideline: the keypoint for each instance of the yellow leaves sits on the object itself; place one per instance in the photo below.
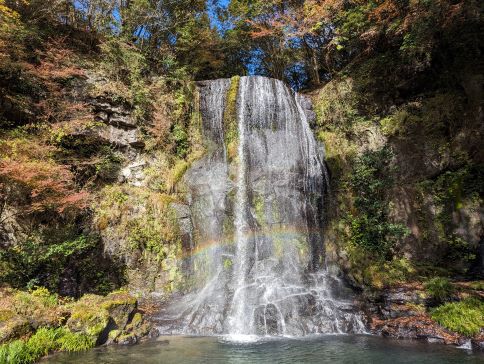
(7, 13)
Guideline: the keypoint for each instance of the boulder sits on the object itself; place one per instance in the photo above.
(103, 318)
(121, 308)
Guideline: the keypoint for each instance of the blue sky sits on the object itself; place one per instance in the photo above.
(212, 14)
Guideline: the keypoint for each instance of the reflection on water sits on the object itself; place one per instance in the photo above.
(322, 349)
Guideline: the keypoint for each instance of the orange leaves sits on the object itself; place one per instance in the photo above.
(296, 20)
(387, 11)
(36, 182)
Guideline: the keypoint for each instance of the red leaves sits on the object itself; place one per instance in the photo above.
(40, 183)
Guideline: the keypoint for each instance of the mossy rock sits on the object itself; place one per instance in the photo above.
(127, 339)
(121, 307)
(89, 317)
(137, 321)
(97, 316)
(13, 328)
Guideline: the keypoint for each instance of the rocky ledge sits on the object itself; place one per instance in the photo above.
(405, 313)
(38, 323)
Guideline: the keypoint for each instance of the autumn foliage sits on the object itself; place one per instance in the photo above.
(33, 182)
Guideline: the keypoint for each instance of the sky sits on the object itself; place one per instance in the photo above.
(213, 15)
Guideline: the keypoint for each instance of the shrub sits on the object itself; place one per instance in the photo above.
(440, 289)
(46, 253)
(180, 137)
(43, 294)
(465, 317)
(35, 180)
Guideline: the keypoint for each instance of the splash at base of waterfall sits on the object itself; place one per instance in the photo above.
(264, 209)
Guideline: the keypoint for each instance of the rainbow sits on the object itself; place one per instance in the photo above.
(285, 233)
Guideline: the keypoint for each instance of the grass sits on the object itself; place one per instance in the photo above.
(43, 342)
(74, 342)
(465, 317)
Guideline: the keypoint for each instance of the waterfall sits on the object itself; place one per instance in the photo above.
(237, 323)
(258, 221)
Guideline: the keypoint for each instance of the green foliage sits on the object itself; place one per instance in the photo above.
(440, 289)
(109, 164)
(44, 341)
(369, 224)
(180, 137)
(46, 298)
(373, 272)
(452, 191)
(126, 66)
(17, 352)
(465, 317)
(23, 262)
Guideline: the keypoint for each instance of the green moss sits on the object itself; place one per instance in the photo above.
(113, 334)
(88, 316)
(155, 233)
(230, 118)
(119, 297)
(376, 273)
(337, 106)
(259, 207)
(137, 319)
(228, 263)
(176, 174)
(465, 317)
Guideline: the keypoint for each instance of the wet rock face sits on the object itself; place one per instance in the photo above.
(256, 205)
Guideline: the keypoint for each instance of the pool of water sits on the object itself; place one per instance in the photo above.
(321, 349)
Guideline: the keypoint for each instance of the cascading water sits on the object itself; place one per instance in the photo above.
(237, 323)
(258, 221)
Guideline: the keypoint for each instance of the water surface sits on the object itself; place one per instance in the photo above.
(323, 349)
